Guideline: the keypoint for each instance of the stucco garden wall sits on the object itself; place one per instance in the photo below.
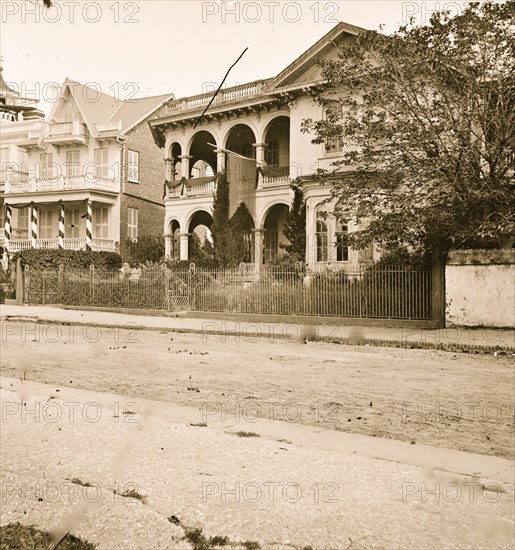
(480, 288)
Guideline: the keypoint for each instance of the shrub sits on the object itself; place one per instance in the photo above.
(148, 248)
(75, 259)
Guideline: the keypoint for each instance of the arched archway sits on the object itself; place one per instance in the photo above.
(174, 156)
(200, 150)
(277, 138)
(241, 139)
(173, 233)
(273, 223)
(200, 237)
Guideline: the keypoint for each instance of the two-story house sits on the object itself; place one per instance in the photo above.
(91, 175)
(252, 132)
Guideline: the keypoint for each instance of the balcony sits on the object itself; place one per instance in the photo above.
(66, 132)
(274, 177)
(195, 187)
(19, 182)
(229, 95)
(17, 244)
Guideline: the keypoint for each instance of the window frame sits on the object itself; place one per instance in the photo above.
(73, 168)
(321, 236)
(133, 166)
(341, 242)
(132, 226)
(102, 167)
(46, 168)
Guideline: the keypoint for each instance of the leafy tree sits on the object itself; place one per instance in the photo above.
(427, 128)
(241, 224)
(221, 228)
(295, 227)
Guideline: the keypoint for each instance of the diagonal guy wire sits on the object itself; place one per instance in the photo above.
(216, 93)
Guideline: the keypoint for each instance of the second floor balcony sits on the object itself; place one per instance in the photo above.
(19, 182)
(66, 132)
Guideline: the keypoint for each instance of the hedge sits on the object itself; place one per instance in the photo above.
(76, 259)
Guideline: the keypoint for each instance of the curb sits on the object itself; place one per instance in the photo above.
(352, 341)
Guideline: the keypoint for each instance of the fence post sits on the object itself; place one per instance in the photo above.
(91, 283)
(20, 282)
(60, 277)
(438, 290)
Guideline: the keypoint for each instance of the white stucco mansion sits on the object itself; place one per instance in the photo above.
(261, 123)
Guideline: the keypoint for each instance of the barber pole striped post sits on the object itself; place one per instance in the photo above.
(60, 236)
(89, 224)
(33, 225)
(7, 226)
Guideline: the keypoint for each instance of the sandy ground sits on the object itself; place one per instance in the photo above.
(143, 481)
(438, 398)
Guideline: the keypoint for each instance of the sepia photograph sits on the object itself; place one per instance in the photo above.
(257, 275)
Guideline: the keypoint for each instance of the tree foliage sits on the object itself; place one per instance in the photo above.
(295, 227)
(241, 224)
(221, 224)
(427, 127)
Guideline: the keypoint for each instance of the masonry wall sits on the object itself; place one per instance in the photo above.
(480, 288)
(147, 195)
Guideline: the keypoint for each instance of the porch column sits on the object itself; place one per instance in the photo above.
(168, 169)
(185, 166)
(7, 226)
(311, 245)
(220, 160)
(60, 237)
(184, 241)
(260, 160)
(34, 229)
(259, 234)
(89, 224)
(168, 245)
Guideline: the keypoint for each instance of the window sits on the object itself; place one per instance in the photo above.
(321, 237)
(100, 226)
(46, 229)
(133, 166)
(101, 163)
(132, 223)
(72, 163)
(46, 167)
(23, 218)
(72, 224)
(272, 153)
(342, 242)
(334, 144)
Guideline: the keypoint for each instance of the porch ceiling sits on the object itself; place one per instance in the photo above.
(66, 196)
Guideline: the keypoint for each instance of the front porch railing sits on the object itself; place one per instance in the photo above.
(17, 245)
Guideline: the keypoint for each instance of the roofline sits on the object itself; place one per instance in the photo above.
(166, 98)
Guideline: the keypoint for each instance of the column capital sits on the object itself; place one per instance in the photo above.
(258, 230)
(262, 144)
(185, 157)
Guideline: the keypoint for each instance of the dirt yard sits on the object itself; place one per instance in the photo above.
(443, 399)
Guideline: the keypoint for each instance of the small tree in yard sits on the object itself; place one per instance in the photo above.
(241, 224)
(295, 227)
(427, 127)
(221, 228)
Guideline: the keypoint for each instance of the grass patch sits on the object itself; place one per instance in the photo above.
(16, 535)
(247, 434)
(77, 481)
(133, 494)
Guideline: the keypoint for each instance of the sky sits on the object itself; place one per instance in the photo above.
(152, 47)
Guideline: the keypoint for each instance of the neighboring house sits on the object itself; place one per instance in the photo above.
(261, 123)
(18, 117)
(91, 176)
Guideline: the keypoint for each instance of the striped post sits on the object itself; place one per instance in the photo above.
(60, 237)
(33, 225)
(7, 226)
(89, 224)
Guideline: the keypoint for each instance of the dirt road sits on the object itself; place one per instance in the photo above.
(443, 399)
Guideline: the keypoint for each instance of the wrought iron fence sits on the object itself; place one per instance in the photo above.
(380, 292)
